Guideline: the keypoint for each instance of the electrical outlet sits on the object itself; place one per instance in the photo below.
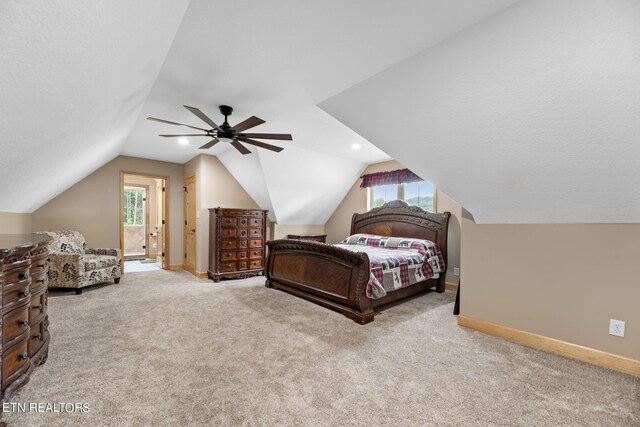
(616, 327)
(456, 271)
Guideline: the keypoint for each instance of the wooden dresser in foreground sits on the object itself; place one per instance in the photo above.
(236, 243)
(322, 238)
(24, 265)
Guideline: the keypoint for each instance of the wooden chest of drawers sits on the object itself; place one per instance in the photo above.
(24, 327)
(236, 242)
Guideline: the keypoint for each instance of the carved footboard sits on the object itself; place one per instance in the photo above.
(325, 274)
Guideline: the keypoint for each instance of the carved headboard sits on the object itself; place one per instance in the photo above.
(398, 219)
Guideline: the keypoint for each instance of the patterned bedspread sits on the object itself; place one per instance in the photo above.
(396, 262)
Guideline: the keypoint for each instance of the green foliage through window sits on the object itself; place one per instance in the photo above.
(134, 206)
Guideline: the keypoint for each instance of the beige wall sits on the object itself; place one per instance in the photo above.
(444, 203)
(339, 224)
(281, 231)
(215, 186)
(563, 281)
(15, 223)
(92, 206)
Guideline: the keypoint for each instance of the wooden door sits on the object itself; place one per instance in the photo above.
(190, 223)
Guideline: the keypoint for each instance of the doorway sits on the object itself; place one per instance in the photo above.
(144, 221)
(136, 220)
(190, 217)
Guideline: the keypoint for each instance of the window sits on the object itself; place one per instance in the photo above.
(382, 194)
(415, 194)
(400, 184)
(420, 194)
(134, 199)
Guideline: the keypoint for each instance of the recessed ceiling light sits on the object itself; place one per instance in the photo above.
(183, 141)
(355, 147)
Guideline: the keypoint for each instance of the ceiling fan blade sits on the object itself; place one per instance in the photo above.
(281, 136)
(251, 122)
(241, 148)
(210, 144)
(202, 116)
(186, 134)
(175, 123)
(262, 145)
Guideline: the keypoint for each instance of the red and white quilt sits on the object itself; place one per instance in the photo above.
(396, 262)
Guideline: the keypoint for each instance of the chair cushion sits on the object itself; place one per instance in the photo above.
(95, 262)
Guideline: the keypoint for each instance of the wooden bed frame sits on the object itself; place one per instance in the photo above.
(337, 278)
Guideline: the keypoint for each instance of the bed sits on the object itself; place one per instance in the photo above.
(337, 278)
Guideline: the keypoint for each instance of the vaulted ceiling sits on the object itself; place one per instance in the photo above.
(532, 116)
(523, 114)
(74, 76)
(79, 78)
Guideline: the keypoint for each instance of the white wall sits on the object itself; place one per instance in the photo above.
(531, 116)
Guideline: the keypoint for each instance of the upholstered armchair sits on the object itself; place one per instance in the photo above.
(73, 265)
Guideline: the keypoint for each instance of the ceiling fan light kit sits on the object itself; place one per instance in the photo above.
(231, 134)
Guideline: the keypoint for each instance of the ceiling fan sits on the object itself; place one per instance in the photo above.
(232, 133)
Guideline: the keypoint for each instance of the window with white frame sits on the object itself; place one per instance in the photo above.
(421, 194)
(400, 184)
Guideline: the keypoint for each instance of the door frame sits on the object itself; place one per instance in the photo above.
(167, 198)
(195, 236)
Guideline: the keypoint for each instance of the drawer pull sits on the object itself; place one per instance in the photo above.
(40, 281)
(24, 276)
(23, 323)
(39, 307)
(37, 337)
(41, 265)
(23, 356)
(23, 294)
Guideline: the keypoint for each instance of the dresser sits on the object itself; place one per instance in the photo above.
(24, 265)
(236, 243)
(322, 238)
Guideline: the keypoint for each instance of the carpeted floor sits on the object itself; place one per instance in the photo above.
(165, 348)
